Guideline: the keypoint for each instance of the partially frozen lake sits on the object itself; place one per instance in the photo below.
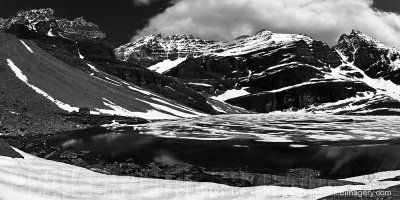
(338, 146)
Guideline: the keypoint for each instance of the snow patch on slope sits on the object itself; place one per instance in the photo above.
(230, 94)
(169, 110)
(80, 55)
(50, 33)
(118, 110)
(166, 65)
(23, 78)
(93, 68)
(26, 46)
(336, 107)
(139, 90)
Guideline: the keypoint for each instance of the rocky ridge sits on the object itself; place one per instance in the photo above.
(43, 21)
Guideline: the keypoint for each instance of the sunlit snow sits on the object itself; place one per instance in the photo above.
(26, 46)
(37, 178)
(230, 94)
(93, 67)
(166, 65)
(50, 33)
(118, 110)
(80, 55)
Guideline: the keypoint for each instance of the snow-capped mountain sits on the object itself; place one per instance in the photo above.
(264, 72)
(271, 71)
(370, 55)
(157, 47)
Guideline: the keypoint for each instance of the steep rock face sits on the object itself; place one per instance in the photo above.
(301, 96)
(367, 103)
(282, 76)
(370, 55)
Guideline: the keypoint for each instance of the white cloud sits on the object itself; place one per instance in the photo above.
(322, 19)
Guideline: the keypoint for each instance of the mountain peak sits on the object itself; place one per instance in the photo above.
(368, 39)
(264, 32)
(356, 32)
(42, 12)
(43, 21)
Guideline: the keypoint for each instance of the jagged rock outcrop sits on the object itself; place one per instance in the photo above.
(157, 48)
(282, 76)
(80, 27)
(370, 55)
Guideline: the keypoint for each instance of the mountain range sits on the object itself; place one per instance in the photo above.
(51, 66)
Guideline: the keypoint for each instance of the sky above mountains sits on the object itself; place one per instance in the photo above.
(227, 19)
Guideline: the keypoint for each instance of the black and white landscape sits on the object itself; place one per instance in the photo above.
(263, 116)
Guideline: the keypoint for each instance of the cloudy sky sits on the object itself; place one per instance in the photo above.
(227, 19)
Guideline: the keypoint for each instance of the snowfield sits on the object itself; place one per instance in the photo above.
(39, 179)
(230, 94)
(166, 65)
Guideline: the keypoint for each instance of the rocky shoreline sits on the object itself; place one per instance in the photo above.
(38, 145)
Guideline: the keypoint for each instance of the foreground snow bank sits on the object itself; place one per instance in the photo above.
(35, 178)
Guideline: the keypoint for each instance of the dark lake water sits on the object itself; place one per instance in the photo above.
(338, 146)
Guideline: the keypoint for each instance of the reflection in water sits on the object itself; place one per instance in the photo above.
(337, 146)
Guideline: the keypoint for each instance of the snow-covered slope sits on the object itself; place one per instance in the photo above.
(35, 178)
(71, 89)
